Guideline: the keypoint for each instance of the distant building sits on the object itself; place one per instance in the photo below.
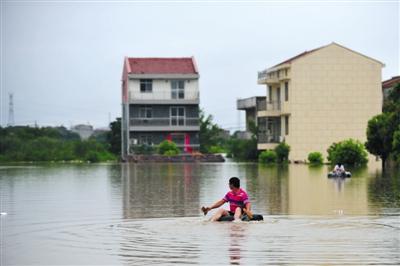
(84, 131)
(388, 85)
(224, 134)
(250, 106)
(317, 98)
(160, 101)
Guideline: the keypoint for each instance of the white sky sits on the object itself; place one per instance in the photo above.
(63, 61)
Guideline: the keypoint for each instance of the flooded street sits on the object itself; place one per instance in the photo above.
(134, 214)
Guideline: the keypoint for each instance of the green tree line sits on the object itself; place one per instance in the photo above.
(24, 143)
(383, 132)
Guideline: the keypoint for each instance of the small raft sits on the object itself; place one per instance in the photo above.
(336, 175)
(245, 218)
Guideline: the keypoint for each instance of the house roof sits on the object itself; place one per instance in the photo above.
(287, 61)
(297, 56)
(163, 65)
(390, 82)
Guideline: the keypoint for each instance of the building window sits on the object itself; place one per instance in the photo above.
(269, 94)
(145, 112)
(177, 116)
(286, 125)
(286, 91)
(177, 89)
(145, 140)
(146, 85)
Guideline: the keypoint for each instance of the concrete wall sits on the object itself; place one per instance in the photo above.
(158, 137)
(162, 89)
(333, 92)
(163, 111)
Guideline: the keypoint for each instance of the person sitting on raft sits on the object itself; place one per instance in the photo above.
(339, 169)
(238, 201)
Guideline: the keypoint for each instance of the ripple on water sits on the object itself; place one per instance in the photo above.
(297, 240)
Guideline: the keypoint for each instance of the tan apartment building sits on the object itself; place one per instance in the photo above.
(319, 97)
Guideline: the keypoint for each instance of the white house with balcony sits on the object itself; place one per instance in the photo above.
(160, 101)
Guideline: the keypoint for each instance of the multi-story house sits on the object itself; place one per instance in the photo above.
(317, 98)
(250, 106)
(160, 101)
(388, 85)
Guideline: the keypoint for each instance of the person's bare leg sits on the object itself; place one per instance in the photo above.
(221, 212)
(238, 214)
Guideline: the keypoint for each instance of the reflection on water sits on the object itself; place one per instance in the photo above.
(150, 213)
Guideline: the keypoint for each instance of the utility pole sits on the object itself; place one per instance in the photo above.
(10, 110)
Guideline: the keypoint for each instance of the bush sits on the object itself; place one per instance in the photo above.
(168, 147)
(268, 156)
(216, 149)
(143, 149)
(282, 152)
(242, 149)
(348, 152)
(171, 153)
(396, 145)
(315, 158)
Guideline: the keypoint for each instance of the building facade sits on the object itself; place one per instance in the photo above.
(251, 106)
(388, 85)
(317, 98)
(84, 131)
(160, 101)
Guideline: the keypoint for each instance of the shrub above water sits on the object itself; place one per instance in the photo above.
(268, 156)
(282, 152)
(348, 152)
(315, 158)
(168, 148)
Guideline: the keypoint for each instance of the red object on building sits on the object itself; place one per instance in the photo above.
(390, 83)
(184, 65)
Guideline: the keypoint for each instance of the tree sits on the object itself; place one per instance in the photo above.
(348, 152)
(396, 144)
(210, 133)
(282, 152)
(315, 158)
(268, 156)
(168, 148)
(380, 136)
(114, 137)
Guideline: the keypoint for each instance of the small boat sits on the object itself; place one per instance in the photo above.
(336, 175)
(245, 218)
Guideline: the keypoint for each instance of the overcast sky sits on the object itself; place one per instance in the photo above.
(63, 61)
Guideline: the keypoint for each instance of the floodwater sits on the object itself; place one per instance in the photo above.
(140, 214)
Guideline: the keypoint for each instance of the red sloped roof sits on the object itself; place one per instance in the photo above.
(184, 65)
(390, 82)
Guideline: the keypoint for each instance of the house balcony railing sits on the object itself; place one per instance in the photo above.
(269, 106)
(262, 105)
(164, 121)
(273, 106)
(269, 138)
(168, 95)
(273, 77)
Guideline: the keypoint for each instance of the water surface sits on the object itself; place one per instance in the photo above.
(125, 214)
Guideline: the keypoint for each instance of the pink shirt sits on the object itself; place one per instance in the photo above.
(239, 199)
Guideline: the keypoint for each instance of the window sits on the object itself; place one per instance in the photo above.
(146, 85)
(177, 89)
(177, 116)
(286, 91)
(145, 140)
(286, 125)
(269, 94)
(145, 112)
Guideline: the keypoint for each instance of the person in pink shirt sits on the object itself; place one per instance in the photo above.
(238, 201)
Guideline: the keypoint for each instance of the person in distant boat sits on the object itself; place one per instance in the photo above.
(238, 201)
(339, 169)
